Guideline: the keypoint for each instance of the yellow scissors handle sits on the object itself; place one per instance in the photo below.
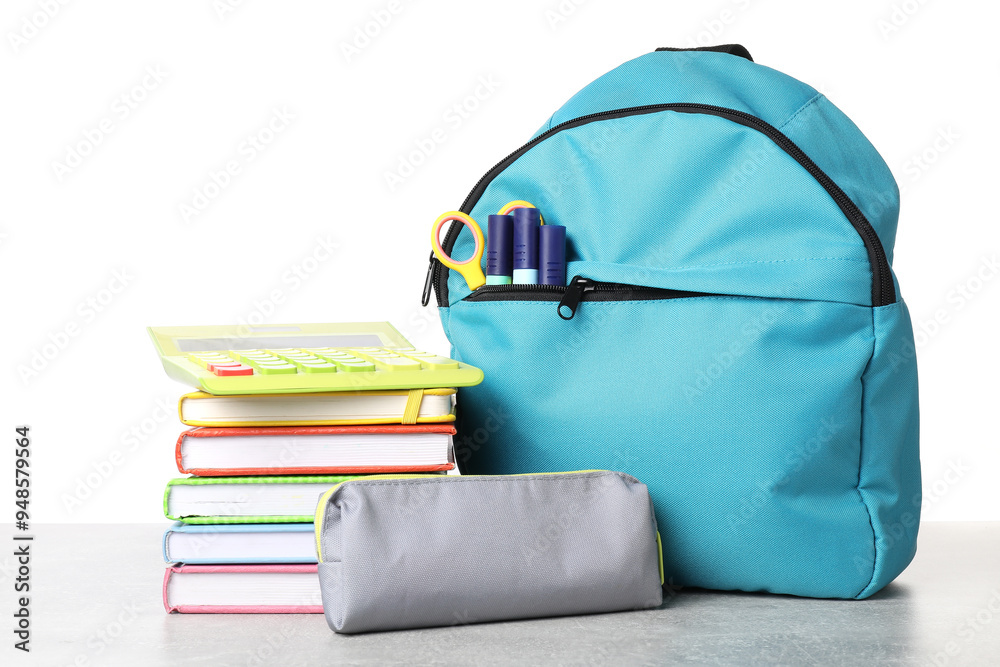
(519, 203)
(471, 269)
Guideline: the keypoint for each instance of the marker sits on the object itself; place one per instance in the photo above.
(500, 250)
(526, 223)
(552, 254)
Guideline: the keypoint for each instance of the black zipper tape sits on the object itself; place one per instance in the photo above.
(883, 291)
(579, 289)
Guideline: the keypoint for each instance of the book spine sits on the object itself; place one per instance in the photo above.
(166, 581)
(177, 453)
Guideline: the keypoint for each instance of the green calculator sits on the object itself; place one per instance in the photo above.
(303, 358)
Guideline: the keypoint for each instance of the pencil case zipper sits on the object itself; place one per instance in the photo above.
(883, 290)
(579, 289)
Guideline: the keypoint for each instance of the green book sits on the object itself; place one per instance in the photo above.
(279, 499)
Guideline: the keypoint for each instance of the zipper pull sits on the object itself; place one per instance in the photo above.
(428, 281)
(574, 294)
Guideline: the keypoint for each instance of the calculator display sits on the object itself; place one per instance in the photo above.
(256, 342)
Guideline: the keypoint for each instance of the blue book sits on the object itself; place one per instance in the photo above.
(206, 544)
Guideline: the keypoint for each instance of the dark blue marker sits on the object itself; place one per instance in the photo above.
(552, 254)
(500, 250)
(526, 223)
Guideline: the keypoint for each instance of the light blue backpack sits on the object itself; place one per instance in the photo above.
(733, 335)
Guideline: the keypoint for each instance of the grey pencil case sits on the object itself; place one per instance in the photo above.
(410, 551)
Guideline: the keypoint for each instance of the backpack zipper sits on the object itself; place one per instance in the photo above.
(579, 289)
(883, 292)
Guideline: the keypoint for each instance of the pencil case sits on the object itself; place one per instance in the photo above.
(410, 551)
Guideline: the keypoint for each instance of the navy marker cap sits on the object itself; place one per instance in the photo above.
(500, 250)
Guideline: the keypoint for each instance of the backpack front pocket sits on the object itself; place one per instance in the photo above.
(741, 414)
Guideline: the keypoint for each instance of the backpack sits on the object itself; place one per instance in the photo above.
(732, 335)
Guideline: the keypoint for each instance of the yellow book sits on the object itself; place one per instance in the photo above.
(414, 406)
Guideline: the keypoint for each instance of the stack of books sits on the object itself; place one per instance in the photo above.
(243, 540)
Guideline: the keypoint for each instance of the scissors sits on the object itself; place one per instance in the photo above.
(471, 269)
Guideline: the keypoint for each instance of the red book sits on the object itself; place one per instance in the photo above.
(316, 450)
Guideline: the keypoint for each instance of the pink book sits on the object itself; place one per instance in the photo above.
(242, 589)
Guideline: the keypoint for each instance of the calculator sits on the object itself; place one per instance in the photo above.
(303, 358)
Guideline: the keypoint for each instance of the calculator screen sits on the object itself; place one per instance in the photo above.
(277, 342)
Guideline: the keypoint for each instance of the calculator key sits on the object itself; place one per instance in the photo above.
(395, 364)
(214, 365)
(296, 355)
(228, 371)
(204, 361)
(355, 366)
(317, 367)
(307, 360)
(371, 354)
(277, 369)
(274, 361)
(435, 363)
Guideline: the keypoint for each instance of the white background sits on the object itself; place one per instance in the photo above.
(918, 78)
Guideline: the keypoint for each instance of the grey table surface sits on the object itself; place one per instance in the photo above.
(96, 601)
